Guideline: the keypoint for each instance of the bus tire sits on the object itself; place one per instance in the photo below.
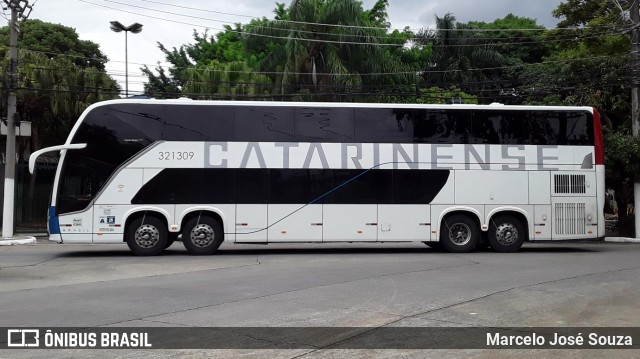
(147, 235)
(202, 235)
(459, 234)
(506, 234)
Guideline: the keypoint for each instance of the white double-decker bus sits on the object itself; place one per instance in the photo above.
(148, 172)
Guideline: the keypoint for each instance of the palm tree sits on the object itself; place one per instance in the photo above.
(322, 46)
(457, 50)
(53, 92)
(225, 80)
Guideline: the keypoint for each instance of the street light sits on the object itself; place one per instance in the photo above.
(135, 28)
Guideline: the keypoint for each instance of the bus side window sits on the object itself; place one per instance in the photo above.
(381, 125)
(442, 126)
(544, 128)
(264, 124)
(500, 127)
(579, 129)
(317, 124)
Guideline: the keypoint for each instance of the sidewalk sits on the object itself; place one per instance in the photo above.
(622, 240)
(17, 240)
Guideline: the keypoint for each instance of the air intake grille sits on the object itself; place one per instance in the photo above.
(570, 218)
(569, 183)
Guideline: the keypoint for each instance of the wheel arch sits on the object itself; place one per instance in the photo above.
(467, 211)
(134, 213)
(516, 212)
(190, 212)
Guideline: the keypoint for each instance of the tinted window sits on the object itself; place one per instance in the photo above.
(110, 143)
(500, 127)
(544, 129)
(316, 124)
(256, 124)
(561, 128)
(82, 178)
(218, 186)
(442, 126)
(360, 187)
(168, 122)
(196, 122)
(417, 187)
(299, 186)
(579, 128)
(188, 185)
(384, 125)
(252, 185)
(276, 186)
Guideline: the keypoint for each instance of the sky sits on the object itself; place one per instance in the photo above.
(172, 23)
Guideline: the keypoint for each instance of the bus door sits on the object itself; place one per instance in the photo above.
(78, 186)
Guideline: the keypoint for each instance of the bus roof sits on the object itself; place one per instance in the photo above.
(187, 102)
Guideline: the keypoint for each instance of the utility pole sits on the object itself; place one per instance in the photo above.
(634, 16)
(635, 70)
(18, 8)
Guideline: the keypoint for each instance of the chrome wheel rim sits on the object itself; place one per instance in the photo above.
(147, 236)
(460, 234)
(202, 235)
(506, 234)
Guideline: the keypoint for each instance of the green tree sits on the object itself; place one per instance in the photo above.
(324, 47)
(589, 66)
(53, 92)
(622, 152)
(437, 95)
(226, 46)
(457, 52)
(229, 80)
(59, 76)
(55, 40)
(521, 42)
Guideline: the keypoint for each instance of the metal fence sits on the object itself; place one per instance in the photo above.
(32, 197)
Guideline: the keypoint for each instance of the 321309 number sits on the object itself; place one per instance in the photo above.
(175, 155)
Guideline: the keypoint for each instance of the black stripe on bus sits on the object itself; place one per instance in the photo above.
(291, 186)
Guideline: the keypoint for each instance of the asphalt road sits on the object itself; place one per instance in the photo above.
(316, 285)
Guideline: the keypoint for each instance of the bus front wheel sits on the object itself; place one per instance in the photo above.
(202, 235)
(459, 234)
(506, 234)
(147, 235)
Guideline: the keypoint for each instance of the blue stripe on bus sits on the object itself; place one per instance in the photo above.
(54, 224)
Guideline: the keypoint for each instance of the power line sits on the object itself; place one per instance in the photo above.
(258, 26)
(315, 33)
(239, 32)
(348, 74)
(432, 87)
(352, 26)
(265, 35)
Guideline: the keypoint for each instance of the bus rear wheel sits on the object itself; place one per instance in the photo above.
(147, 235)
(459, 234)
(202, 235)
(506, 234)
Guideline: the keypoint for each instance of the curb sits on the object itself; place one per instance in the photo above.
(14, 241)
(622, 240)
